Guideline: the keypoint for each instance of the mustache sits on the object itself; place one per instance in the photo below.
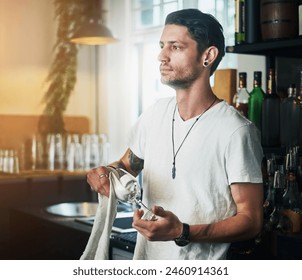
(165, 67)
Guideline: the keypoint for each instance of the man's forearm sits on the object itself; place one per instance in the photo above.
(233, 229)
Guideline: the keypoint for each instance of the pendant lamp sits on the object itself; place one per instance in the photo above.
(92, 30)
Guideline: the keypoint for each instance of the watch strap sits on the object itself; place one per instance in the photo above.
(184, 238)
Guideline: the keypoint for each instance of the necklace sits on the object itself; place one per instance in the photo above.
(173, 145)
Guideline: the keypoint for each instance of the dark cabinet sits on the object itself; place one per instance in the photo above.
(286, 57)
(283, 55)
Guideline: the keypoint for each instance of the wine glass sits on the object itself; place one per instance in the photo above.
(135, 197)
(131, 193)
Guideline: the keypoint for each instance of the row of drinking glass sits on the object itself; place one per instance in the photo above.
(72, 152)
(9, 161)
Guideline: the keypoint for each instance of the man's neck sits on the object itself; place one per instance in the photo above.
(194, 101)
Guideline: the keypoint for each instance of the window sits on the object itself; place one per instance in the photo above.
(151, 13)
(147, 20)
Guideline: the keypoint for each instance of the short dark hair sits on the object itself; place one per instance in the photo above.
(203, 28)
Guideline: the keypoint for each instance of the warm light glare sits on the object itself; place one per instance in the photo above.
(93, 40)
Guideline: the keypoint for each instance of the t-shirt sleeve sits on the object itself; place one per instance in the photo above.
(139, 132)
(137, 138)
(244, 156)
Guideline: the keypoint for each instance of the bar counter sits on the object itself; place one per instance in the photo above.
(28, 232)
(36, 234)
(37, 189)
(29, 174)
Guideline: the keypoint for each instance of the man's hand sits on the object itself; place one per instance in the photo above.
(98, 179)
(166, 227)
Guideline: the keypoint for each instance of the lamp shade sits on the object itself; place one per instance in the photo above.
(93, 32)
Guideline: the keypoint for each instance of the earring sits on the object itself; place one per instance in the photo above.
(205, 63)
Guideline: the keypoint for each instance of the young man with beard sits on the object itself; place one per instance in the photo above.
(201, 159)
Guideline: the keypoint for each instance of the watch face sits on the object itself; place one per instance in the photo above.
(183, 239)
(181, 242)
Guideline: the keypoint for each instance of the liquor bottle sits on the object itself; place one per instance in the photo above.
(270, 117)
(255, 100)
(239, 21)
(299, 97)
(252, 20)
(300, 16)
(241, 98)
(275, 220)
(269, 203)
(289, 120)
(292, 202)
(292, 196)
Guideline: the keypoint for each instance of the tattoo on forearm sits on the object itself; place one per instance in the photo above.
(136, 163)
(207, 230)
(117, 166)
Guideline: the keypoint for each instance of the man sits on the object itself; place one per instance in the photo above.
(201, 158)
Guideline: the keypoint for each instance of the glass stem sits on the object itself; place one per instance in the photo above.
(142, 204)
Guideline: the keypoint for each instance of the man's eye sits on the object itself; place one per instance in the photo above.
(174, 47)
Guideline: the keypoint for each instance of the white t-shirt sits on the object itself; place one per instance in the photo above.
(222, 148)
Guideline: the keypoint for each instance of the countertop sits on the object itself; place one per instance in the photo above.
(60, 228)
(30, 174)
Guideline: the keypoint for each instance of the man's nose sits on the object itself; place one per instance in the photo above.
(163, 55)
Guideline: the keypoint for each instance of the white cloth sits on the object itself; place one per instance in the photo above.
(97, 247)
(222, 148)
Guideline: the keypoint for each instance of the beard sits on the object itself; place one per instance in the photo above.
(182, 80)
(178, 83)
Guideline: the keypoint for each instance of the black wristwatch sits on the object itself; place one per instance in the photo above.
(184, 238)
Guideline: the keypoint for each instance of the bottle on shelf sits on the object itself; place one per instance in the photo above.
(299, 97)
(292, 201)
(276, 221)
(270, 117)
(241, 98)
(292, 196)
(300, 16)
(255, 100)
(289, 119)
(239, 21)
(252, 20)
(299, 173)
(269, 202)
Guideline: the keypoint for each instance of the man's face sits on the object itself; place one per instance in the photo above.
(180, 65)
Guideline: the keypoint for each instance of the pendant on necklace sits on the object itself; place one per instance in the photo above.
(173, 171)
(173, 146)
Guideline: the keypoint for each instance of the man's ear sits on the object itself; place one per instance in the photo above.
(209, 56)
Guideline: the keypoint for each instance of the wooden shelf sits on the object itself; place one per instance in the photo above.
(283, 48)
(41, 174)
